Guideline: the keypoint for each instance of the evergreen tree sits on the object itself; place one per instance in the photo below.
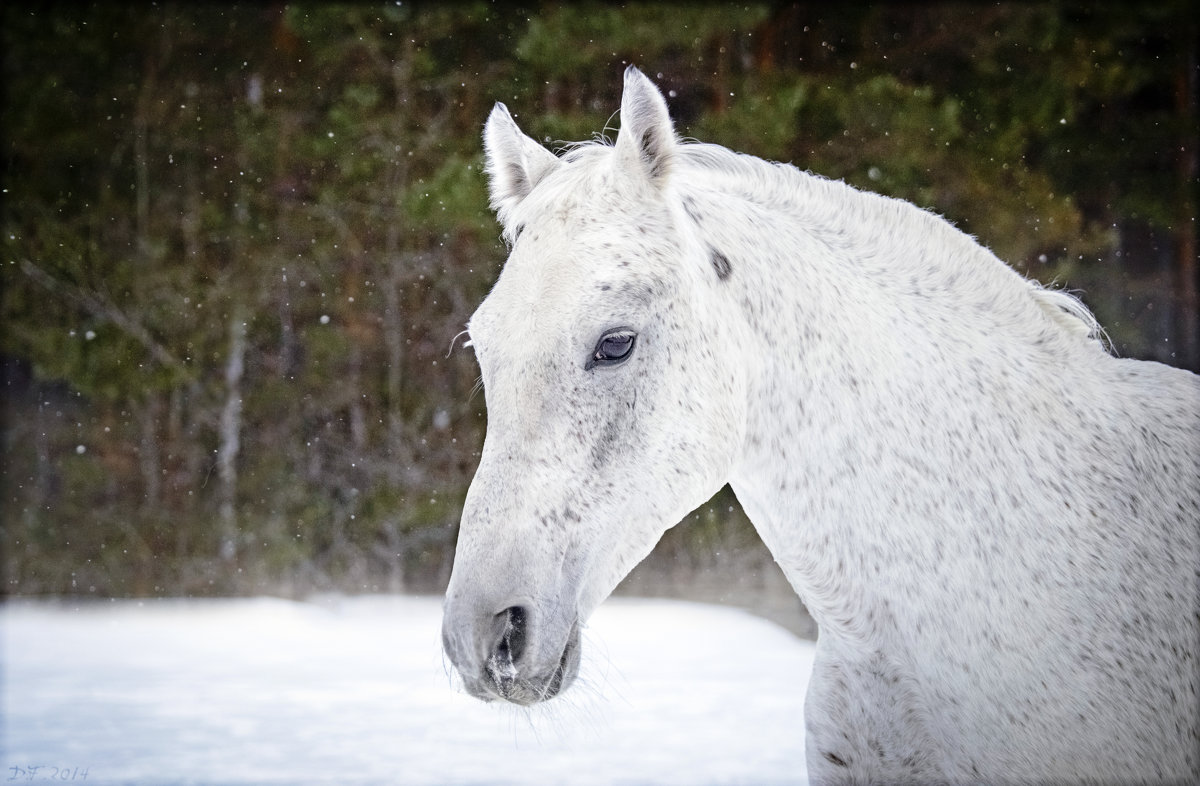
(239, 241)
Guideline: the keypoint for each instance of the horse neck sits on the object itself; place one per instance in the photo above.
(877, 337)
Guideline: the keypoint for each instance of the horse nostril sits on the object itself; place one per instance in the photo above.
(512, 641)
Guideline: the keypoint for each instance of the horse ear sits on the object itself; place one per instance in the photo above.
(515, 163)
(647, 138)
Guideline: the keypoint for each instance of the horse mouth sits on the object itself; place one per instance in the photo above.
(503, 680)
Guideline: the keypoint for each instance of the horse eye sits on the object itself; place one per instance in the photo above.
(613, 347)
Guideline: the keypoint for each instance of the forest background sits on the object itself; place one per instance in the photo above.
(239, 242)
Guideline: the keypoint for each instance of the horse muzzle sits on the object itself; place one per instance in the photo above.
(510, 655)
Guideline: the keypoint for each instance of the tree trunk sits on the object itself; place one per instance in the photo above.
(393, 317)
(149, 456)
(43, 477)
(230, 435)
(393, 339)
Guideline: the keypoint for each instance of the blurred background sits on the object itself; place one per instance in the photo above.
(239, 242)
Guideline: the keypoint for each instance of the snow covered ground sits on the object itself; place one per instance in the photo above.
(355, 691)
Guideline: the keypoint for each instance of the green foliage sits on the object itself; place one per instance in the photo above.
(315, 170)
(562, 42)
(454, 197)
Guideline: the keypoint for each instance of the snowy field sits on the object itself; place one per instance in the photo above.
(355, 691)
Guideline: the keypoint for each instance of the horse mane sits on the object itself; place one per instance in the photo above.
(779, 183)
(1070, 313)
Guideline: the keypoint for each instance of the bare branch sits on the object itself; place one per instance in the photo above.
(102, 307)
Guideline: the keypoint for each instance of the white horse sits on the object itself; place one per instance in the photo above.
(994, 522)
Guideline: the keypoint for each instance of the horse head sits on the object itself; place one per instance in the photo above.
(615, 400)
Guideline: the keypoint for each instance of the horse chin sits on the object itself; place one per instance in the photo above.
(510, 685)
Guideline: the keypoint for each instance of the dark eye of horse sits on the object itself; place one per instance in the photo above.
(613, 347)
